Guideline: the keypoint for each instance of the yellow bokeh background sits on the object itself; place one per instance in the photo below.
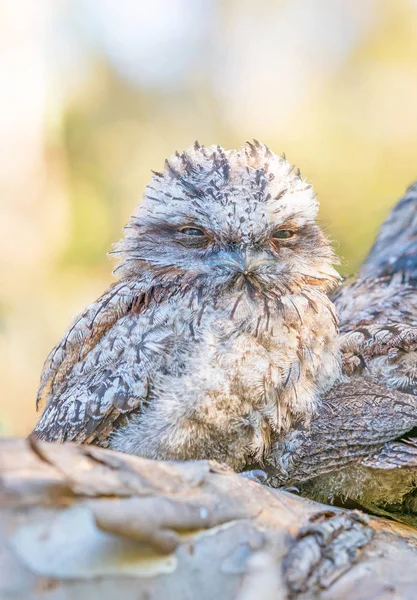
(95, 93)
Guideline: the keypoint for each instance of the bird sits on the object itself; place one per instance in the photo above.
(361, 446)
(218, 336)
(378, 308)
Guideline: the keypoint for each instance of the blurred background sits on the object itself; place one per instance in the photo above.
(95, 93)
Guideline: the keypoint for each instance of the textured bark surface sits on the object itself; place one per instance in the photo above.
(83, 522)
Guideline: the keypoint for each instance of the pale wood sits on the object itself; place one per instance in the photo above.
(84, 522)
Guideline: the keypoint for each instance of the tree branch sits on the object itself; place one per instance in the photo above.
(84, 522)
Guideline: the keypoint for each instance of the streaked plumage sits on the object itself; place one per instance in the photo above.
(219, 335)
(361, 446)
(378, 310)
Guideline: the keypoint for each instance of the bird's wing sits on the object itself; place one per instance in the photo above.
(89, 407)
(112, 380)
(394, 455)
(356, 419)
(85, 332)
(94, 376)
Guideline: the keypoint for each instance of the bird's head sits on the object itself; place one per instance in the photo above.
(230, 219)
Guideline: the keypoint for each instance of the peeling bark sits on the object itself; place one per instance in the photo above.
(84, 522)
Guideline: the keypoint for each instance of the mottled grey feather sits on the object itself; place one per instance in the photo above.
(355, 450)
(219, 336)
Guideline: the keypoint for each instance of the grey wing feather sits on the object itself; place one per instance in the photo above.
(112, 380)
(99, 372)
(378, 332)
(84, 333)
(88, 408)
(355, 420)
(394, 455)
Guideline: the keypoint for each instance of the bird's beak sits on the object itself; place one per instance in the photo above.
(244, 261)
(230, 261)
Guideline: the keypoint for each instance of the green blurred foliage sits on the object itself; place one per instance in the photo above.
(351, 126)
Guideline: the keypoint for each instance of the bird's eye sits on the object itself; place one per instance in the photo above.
(283, 234)
(192, 231)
